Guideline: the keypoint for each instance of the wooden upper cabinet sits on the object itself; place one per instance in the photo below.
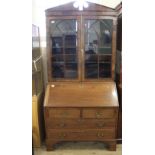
(81, 45)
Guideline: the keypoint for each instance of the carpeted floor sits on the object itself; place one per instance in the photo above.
(79, 148)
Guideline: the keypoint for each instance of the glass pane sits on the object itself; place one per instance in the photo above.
(71, 58)
(57, 58)
(57, 45)
(71, 70)
(105, 58)
(70, 50)
(98, 36)
(70, 44)
(104, 70)
(91, 70)
(64, 48)
(63, 26)
(104, 50)
(58, 70)
(98, 48)
(70, 41)
(91, 58)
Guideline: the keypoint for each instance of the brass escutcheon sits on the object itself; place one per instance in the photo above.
(62, 124)
(62, 135)
(100, 134)
(98, 114)
(100, 124)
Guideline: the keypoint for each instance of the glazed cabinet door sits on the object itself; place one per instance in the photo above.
(98, 48)
(81, 48)
(63, 48)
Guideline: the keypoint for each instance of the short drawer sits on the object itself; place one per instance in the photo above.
(63, 113)
(79, 123)
(88, 134)
(99, 113)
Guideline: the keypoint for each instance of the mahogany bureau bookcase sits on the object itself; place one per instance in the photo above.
(81, 102)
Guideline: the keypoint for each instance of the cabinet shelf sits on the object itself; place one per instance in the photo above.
(60, 62)
(104, 62)
(57, 47)
(64, 47)
(70, 47)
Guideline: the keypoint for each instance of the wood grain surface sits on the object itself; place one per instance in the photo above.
(82, 95)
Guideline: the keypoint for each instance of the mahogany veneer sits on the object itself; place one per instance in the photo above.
(81, 101)
(81, 112)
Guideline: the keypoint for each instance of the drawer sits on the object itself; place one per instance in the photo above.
(79, 123)
(99, 113)
(88, 134)
(63, 113)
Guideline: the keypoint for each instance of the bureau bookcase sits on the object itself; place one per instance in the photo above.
(81, 101)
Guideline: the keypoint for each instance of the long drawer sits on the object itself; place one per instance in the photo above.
(86, 134)
(79, 123)
(98, 113)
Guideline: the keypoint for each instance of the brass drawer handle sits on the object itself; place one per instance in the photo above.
(98, 114)
(62, 135)
(62, 124)
(100, 124)
(100, 134)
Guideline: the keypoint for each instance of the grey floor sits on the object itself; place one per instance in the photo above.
(79, 148)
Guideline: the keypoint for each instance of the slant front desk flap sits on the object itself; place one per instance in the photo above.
(81, 95)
